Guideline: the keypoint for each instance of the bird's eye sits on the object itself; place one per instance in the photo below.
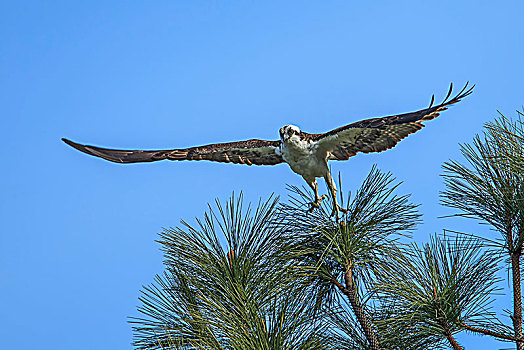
(290, 131)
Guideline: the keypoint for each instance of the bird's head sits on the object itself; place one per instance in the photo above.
(288, 131)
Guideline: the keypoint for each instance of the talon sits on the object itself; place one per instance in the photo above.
(316, 203)
(336, 211)
(312, 207)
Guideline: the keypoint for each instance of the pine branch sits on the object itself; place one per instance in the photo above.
(517, 299)
(491, 188)
(491, 333)
(350, 291)
(229, 285)
(454, 344)
(353, 251)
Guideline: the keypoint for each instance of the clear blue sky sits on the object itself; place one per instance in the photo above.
(77, 233)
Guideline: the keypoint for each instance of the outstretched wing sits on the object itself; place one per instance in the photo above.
(380, 134)
(258, 152)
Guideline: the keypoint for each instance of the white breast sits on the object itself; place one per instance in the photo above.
(303, 158)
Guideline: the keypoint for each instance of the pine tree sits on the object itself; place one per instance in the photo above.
(277, 277)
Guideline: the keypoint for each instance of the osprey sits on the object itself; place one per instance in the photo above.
(306, 154)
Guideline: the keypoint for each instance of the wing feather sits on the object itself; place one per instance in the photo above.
(258, 152)
(380, 134)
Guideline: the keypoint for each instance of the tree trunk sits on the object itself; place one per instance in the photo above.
(517, 298)
(350, 291)
(454, 344)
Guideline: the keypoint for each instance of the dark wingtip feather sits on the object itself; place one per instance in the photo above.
(94, 151)
(69, 142)
(460, 95)
(449, 92)
(432, 101)
(74, 145)
(433, 112)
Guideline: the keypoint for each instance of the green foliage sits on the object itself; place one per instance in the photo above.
(490, 187)
(365, 241)
(283, 278)
(440, 286)
(227, 287)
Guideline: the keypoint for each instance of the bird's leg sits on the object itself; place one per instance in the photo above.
(332, 188)
(314, 186)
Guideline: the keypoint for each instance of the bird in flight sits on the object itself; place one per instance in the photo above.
(306, 154)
